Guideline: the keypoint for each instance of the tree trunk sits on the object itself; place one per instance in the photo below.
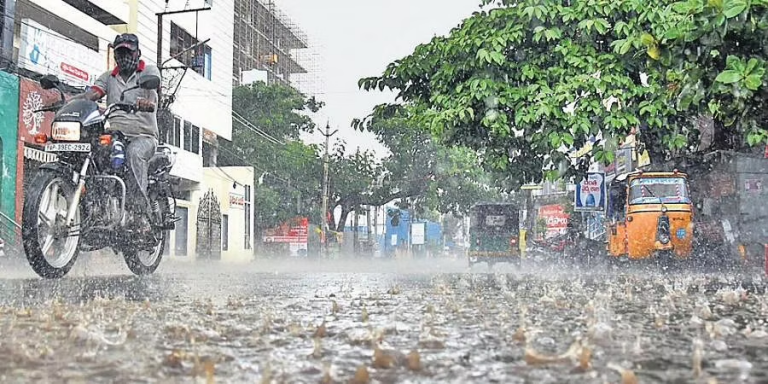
(343, 218)
(356, 223)
(330, 217)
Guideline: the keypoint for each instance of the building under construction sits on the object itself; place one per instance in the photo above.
(269, 46)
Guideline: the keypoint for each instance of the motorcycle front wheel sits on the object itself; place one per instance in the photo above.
(145, 261)
(50, 245)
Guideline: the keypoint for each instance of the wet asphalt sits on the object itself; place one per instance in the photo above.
(380, 321)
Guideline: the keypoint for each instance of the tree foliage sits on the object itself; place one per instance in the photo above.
(524, 82)
(267, 122)
(424, 174)
(351, 183)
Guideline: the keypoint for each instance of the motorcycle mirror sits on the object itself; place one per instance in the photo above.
(122, 94)
(49, 82)
(149, 82)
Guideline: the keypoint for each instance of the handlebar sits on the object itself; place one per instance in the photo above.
(50, 108)
(129, 108)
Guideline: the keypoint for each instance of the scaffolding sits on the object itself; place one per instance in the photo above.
(266, 39)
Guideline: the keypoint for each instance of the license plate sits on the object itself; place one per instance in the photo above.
(68, 147)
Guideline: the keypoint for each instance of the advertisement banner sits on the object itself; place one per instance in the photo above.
(236, 200)
(622, 162)
(418, 233)
(294, 232)
(556, 219)
(590, 193)
(46, 52)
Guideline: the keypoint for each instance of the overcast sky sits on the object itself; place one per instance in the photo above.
(358, 38)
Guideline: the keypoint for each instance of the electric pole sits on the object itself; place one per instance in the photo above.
(324, 212)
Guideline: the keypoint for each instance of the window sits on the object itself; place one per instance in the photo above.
(195, 148)
(187, 136)
(175, 134)
(658, 190)
(183, 195)
(247, 209)
(225, 232)
(208, 62)
(199, 58)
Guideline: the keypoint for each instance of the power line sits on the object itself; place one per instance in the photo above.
(236, 116)
(240, 159)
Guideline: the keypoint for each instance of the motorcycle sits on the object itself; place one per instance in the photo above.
(78, 202)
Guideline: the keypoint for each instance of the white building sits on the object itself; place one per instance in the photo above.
(233, 188)
(50, 33)
(203, 105)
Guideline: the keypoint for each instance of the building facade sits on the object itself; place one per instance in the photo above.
(266, 44)
(202, 108)
(72, 40)
(232, 189)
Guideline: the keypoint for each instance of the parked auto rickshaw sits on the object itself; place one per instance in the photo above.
(494, 233)
(650, 214)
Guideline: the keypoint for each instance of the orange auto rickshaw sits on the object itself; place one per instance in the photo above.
(650, 214)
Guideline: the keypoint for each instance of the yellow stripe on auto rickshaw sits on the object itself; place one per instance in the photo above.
(631, 212)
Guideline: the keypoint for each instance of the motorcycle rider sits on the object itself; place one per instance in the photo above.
(140, 128)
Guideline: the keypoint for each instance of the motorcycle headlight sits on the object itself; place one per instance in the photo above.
(664, 238)
(66, 130)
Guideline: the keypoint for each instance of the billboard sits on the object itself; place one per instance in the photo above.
(556, 219)
(46, 52)
(590, 193)
(294, 232)
(418, 233)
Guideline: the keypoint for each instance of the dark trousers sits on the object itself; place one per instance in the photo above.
(138, 151)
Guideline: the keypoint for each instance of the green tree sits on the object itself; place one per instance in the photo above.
(267, 123)
(350, 182)
(425, 175)
(527, 81)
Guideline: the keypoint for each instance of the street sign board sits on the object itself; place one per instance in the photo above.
(418, 233)
(590, 193)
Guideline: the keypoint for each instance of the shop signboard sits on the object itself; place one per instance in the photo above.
(589, 195)
(236, 200)
(556, 219)
(31, 98)
(45, 51)
(418, 233)
(295, 233)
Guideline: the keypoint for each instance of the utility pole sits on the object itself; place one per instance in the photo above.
(160, 32)
(369, 228)
(324, 212)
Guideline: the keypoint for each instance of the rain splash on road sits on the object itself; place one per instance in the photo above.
(362, 321)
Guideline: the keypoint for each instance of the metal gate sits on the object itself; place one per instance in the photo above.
(209, 227)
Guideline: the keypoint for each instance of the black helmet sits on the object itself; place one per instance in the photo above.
(126, 40)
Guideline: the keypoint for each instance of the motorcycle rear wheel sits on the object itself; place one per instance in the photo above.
(53, 251)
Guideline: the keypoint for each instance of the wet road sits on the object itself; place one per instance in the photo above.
(382, 321)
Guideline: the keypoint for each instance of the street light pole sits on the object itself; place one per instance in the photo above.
(324, 213)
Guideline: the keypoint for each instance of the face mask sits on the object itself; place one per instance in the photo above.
(127, 61)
